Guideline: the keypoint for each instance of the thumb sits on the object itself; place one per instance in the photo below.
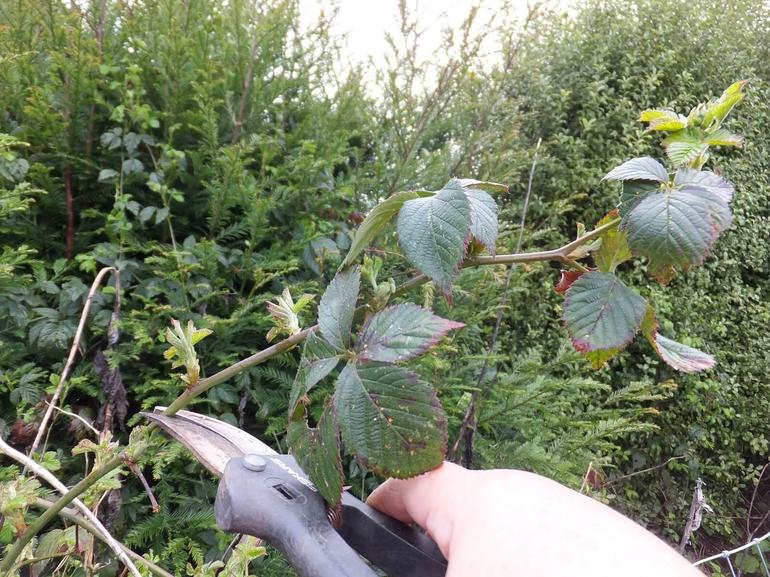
(431, 500)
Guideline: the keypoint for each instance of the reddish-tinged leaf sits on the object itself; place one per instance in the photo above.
(390, 419)
(676, 355)
(682, 357)
(566, 280)
(601, 312)
(402, 332)
(713, 189)
(674, 230)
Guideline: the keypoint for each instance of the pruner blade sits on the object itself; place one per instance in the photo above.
(213, 442)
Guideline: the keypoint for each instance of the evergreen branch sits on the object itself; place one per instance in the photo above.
(470, 418)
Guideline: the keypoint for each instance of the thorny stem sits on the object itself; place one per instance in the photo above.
(72, 516)
(561, 254)
(205, 384)
(147, 489)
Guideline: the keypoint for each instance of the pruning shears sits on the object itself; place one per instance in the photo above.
(267, 495)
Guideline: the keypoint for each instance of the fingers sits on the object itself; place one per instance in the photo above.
(428, 500)
(389, 498)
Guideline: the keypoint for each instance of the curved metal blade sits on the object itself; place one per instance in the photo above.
(213, 442)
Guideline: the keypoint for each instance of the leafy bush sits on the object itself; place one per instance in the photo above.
(580, 83)
(213, 155)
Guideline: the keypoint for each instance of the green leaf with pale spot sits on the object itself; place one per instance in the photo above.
(673, 230)
(317, 451)
(390, 419)
(432, 232)
(601, 313)
(376, 220)
(338, 303)
(319, 358)
(402, 332)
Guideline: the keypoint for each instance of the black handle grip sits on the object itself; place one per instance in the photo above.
(397, 549)
(267, 497)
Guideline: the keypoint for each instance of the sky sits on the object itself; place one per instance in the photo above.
(365, 22)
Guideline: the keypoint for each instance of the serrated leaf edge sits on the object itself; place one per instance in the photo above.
(431, 341)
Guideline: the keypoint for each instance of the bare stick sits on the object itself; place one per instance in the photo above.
(72, 516)
(71, 358)
(647, 470)
(749, 532)
(138, 472)
(584, 484)
(697, 507)
(62, 488)
(74, 416)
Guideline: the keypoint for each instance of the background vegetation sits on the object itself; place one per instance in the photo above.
(214, 153)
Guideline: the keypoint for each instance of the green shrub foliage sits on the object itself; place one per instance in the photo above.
(213, 153)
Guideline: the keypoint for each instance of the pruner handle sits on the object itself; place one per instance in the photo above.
(269, 496)
(259, 496)
(396, 548)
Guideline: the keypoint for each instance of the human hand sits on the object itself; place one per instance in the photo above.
(512, 523)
